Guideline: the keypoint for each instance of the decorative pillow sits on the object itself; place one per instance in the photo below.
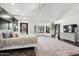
(14, 34)
(6, 34)
(19, 34)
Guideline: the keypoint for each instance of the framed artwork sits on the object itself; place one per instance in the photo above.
(40, 29)
(24, 28)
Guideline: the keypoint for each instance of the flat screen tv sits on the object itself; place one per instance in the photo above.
(70, 28)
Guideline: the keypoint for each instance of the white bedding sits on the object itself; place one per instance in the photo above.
(28, 40)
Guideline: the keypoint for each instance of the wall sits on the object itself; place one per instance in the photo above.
(31, 26)
(67, 21)
(21, 19)
(72, 17)
(4, 25)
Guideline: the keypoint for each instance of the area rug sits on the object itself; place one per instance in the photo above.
(19, 52)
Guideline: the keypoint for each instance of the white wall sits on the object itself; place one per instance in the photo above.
(30, 24)
(31, 28)
(73, 19)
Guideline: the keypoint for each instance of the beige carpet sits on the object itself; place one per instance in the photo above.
(48, 46)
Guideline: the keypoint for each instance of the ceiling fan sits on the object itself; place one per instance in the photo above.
(41, 6)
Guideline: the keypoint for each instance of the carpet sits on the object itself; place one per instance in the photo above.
(19, 52)
(48, 46)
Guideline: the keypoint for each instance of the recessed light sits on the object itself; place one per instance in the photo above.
(16, 10)
(22, 14)
(24, 17)
(13, 3)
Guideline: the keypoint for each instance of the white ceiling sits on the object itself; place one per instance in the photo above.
(45, 12)
(18, 8)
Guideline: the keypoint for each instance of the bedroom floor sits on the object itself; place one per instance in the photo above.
(48, 46)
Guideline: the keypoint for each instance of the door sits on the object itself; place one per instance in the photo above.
(57, 31)
(24, 28)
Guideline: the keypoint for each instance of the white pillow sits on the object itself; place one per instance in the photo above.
(19, 34)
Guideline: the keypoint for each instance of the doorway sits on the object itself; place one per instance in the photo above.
(24, 28)
(57, 31)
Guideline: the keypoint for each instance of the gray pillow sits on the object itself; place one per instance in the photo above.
(6, 34)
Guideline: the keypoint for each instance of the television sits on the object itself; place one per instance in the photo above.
(70, 28)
